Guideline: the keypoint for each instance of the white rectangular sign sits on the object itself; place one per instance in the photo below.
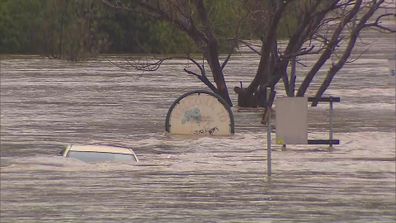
(291, 120)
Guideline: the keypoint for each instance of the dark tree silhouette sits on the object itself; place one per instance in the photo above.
(327, 28)
(192, 18)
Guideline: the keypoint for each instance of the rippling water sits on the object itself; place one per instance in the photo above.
(46, 104)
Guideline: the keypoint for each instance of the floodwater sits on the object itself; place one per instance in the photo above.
(46, 104)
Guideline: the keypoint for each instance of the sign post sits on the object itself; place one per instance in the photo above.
(269, 148)
(331, 123)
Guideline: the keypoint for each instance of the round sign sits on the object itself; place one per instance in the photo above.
(200, 113)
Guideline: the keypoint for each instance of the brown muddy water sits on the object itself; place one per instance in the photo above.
(46, 104)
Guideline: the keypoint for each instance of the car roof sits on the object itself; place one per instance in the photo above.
(100, 149)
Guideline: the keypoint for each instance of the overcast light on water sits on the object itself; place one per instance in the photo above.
(46, 104)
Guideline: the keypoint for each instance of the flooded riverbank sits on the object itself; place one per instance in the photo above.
(46, 104)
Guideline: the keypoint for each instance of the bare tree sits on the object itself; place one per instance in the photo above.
(326, 28)
(191, 17)
(360, 15)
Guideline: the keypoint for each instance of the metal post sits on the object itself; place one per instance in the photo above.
(331, 122)
(269, 149)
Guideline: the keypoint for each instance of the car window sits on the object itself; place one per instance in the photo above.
(93, 157)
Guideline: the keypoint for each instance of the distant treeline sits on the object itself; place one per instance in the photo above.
(78, 29)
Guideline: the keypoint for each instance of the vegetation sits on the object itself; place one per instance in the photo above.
(323, 27)
(78, 29)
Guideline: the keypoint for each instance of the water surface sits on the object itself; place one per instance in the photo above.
(46, 104)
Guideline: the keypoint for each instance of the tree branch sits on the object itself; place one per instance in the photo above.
(347, 51)
(250, 47)
(203, 79)
(377, 23)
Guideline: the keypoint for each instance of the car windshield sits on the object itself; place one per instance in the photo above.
(93, 157)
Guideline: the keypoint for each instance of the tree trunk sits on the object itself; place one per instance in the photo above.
(252, 96)
(212, 57)
(211, 52)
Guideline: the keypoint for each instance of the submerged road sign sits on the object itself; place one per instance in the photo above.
(292, 120)
(200, 113)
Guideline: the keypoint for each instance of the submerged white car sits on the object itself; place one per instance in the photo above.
(99, 153)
